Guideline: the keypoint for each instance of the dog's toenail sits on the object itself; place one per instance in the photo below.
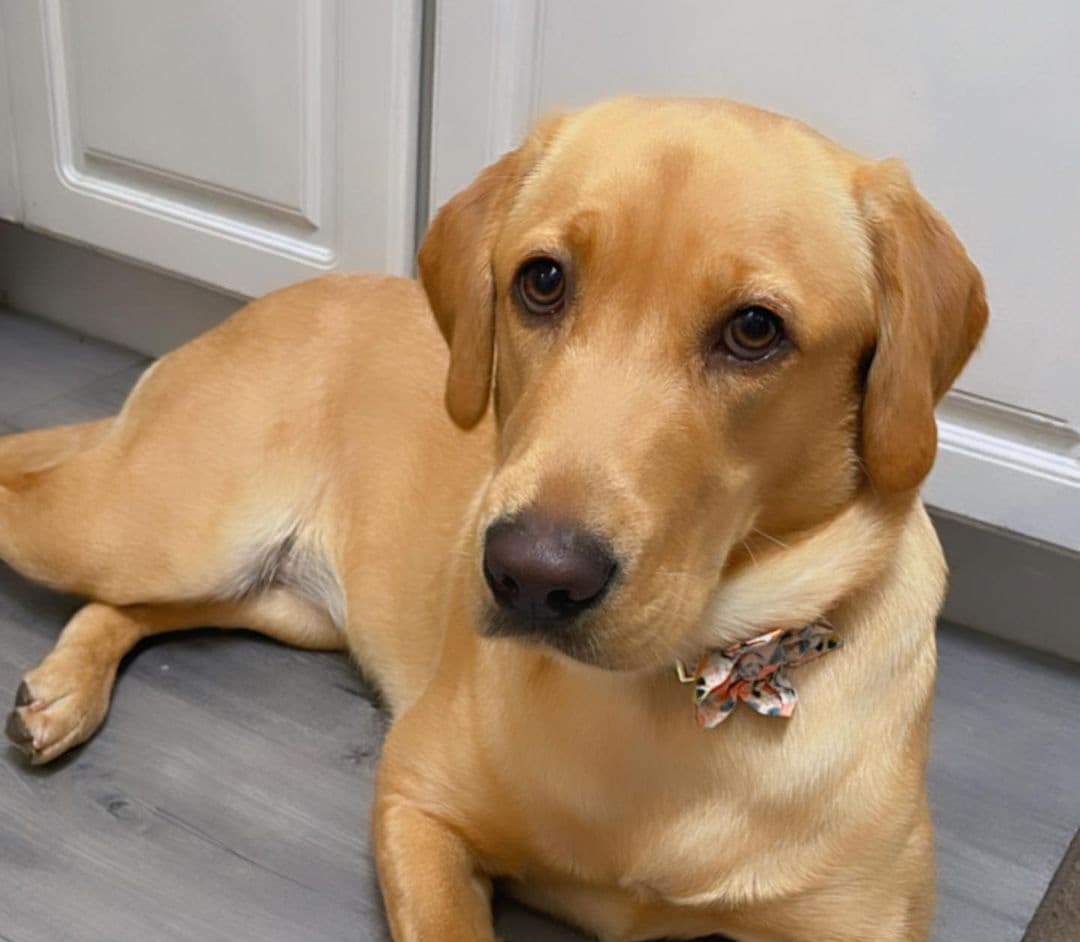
(22, 695)
(16, 729)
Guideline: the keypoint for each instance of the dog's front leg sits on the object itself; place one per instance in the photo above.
(431, 884)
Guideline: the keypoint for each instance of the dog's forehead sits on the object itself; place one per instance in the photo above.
(703, 149)
(714, 177)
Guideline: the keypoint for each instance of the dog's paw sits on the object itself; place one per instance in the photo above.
(58, 705)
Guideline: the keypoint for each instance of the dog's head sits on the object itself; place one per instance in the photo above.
(706, 327)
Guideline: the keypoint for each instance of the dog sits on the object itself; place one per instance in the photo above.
(677, 426)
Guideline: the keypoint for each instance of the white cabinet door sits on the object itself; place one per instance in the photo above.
(977, 98)
(245, 144)
(9, 190)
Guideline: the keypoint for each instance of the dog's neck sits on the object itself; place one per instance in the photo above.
(770, 616)
(794, 585)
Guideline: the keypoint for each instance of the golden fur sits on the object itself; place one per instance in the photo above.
(296, 471)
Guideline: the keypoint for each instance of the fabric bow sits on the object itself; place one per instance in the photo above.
(753, 671)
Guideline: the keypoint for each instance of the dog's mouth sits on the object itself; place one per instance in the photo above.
(597, 639)
(568, 635)
(577, 638)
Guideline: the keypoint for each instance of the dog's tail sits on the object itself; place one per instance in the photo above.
(27, 453)
(27, 463)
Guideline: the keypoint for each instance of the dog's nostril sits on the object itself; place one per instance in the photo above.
(563, 605)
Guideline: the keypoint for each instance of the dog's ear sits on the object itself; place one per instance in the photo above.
(931, 313)
(455, 268)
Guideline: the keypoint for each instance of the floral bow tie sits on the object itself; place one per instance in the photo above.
(753, 671)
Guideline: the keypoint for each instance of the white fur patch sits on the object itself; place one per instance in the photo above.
(287, 559)
(792, 586)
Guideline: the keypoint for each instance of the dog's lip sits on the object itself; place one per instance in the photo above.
(499, 622)
(569, 644)
(559, 635)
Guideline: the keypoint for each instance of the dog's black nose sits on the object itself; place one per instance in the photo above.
(543, 570)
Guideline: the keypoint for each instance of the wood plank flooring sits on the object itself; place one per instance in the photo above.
(227, 796)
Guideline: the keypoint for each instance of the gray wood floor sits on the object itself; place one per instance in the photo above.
(227, 796)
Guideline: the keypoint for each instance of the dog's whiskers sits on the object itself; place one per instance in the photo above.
(771, 538)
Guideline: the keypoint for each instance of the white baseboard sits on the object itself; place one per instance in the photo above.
(103, 296)
(1007, 468)
(1015, 588)
(1005, 497)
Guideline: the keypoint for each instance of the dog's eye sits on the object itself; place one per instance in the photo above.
(541, 286)
(752, 333)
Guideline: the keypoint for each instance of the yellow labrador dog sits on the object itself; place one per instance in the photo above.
(694, 352)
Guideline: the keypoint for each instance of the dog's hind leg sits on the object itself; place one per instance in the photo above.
(63, 701)
(122, 514)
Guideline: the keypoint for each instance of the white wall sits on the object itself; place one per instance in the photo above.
(10, 207)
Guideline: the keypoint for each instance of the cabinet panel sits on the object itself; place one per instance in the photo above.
(246, 144)
(973, 97)
(228, 114)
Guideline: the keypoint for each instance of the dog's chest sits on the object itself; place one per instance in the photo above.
(630, 863)
(617, 914)
(656, 827)
(654, 830)
(654, 874)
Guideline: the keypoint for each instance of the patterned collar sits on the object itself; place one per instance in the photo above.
(753, 671)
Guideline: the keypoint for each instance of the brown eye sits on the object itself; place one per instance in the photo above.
(541, 286)
(752, 333)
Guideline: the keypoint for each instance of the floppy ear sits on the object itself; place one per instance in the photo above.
(455, 269)
(931, 313)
